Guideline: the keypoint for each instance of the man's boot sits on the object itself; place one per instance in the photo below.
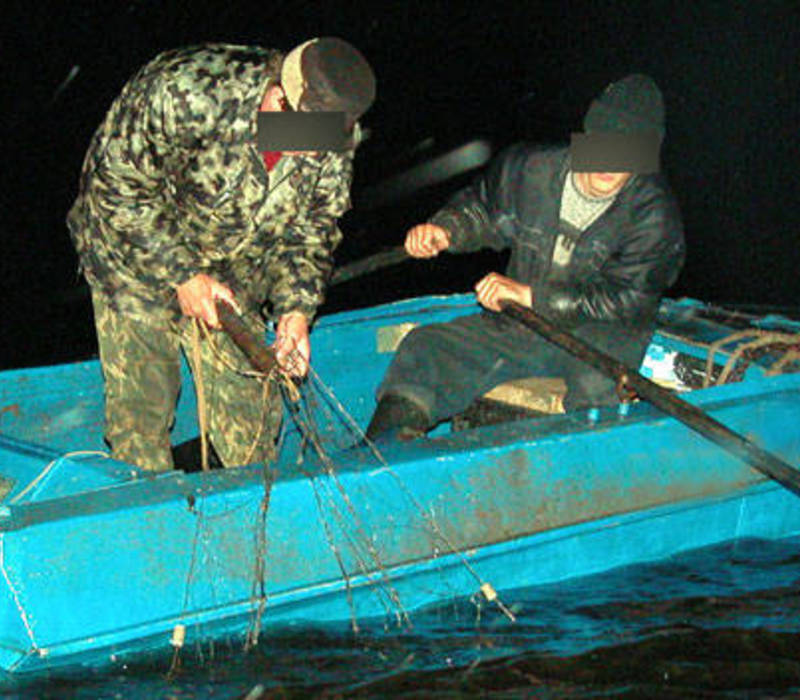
(397, 417)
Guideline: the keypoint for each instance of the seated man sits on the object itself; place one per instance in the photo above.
(595, 237)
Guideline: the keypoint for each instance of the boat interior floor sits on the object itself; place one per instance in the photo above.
(188, 456)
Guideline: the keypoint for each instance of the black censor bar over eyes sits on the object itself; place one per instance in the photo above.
(614, 153)
(302, 131)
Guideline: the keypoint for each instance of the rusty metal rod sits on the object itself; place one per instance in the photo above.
(255, 349)
(697, 419)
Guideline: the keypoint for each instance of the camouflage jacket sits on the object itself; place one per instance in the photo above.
(172, 185)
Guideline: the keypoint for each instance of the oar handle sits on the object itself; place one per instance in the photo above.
(254, 348)
(372, 263)
(689, 414)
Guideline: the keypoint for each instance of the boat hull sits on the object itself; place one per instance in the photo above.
(100, 561)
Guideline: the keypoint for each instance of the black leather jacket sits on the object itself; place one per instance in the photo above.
(620, 265)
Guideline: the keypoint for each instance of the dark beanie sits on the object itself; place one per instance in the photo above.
(337, 78)
(631, 105)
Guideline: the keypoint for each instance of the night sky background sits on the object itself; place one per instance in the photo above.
(448, 72)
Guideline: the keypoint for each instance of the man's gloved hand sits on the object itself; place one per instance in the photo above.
(292, 345)
(494, 288)
(198, 295)
(426, 241)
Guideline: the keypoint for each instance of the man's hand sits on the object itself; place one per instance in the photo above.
(197, 298)
(292, 346)
(494, 288)
(426, 241)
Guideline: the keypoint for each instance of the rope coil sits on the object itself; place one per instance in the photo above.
(761, 344)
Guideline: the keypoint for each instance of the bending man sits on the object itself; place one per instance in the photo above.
(188, 194)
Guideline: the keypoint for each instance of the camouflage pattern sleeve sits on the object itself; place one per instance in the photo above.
(160, 256)
(137, 232)
(169, 186)
(301, 259)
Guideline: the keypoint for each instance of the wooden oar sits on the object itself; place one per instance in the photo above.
(258, 354)
(371, 263)
(697, 419)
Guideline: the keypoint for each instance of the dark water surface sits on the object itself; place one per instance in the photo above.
(722, 622)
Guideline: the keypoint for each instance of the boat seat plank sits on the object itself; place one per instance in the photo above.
(542, 394)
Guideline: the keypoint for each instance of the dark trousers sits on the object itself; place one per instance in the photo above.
(445, 366)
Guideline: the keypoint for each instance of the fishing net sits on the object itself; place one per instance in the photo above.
(325, 444)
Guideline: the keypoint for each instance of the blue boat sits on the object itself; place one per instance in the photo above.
(100, 561)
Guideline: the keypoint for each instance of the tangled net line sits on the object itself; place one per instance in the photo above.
(338, 514)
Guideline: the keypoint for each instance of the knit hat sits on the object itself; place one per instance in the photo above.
(328, 75)
(631, 105)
